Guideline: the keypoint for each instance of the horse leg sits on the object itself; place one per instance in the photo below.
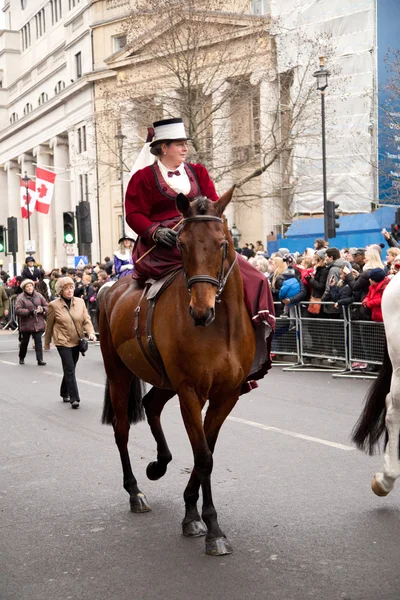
(119, 391)
(384, 481)
(154, 402)
(203, 442)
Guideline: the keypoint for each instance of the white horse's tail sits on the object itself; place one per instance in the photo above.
(371, 425)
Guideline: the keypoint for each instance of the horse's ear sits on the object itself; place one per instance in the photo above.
(223, 202)
(182, 204)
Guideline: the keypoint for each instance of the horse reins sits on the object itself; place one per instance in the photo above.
(219, 282)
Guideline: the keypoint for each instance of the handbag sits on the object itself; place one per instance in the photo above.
(314, 308)
(82, 343)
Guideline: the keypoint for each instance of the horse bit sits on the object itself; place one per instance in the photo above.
(219, 282)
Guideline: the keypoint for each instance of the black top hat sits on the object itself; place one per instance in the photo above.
(125, 237)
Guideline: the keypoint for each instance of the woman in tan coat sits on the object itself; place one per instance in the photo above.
(66, 318)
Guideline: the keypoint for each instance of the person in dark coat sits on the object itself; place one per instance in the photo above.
(31, 309)
(30, 271)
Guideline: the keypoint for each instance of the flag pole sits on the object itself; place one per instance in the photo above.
(27, 181)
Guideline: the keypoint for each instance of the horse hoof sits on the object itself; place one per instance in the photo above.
(155, 471)
(194, 529)
(218, 547)
(377, 488)
(139, 504)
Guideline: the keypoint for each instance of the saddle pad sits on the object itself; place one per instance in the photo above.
(157, 286)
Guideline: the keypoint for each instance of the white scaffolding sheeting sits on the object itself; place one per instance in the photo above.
(350, 101)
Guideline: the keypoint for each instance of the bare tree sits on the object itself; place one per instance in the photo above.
(218, 70)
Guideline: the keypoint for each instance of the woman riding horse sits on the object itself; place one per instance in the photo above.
(151, 212)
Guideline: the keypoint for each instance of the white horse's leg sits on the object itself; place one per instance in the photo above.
(384, 481)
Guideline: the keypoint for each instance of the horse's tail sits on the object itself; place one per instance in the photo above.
(135, 405)
(371, 423)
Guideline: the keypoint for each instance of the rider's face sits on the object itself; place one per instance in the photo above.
(174, 153)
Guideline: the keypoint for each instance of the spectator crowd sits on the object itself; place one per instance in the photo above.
(329, 278)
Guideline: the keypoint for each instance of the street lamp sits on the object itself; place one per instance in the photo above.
(120, 140)
(27, 181)
(236, 235)
(322, 83)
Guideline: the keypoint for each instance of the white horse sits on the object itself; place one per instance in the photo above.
(382, 406)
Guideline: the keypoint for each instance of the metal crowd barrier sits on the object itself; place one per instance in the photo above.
(12, 322)
(340, 342)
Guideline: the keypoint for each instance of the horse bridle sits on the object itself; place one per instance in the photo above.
(219, 282)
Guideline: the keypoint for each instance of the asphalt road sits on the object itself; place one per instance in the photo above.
(292, 496)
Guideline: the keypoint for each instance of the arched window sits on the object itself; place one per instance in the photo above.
(13, 118)
(59, 87)
(43, 98)
(28, 108)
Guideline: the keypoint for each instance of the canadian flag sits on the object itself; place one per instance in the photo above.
(28, 200)
(44, 189)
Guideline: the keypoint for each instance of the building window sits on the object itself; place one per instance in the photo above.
(260, 7)
(40, 23)
(59, 87)
(28, 108)
(26, 36)
(56, 11)
(119, 42)
(43, 98)
(13, 118)
(78, 65)
(73, 3)
(84, 187)
(81, 135)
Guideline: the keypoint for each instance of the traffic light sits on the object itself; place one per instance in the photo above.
(12, 235)
(84, 223)
(2, 242)
(332, 218)
(69, 227)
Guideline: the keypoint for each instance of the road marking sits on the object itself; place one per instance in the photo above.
(300, 436)
(100, 385)
(293, 434)
(9, 351)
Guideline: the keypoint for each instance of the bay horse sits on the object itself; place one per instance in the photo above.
(381, 413)
(207, 344)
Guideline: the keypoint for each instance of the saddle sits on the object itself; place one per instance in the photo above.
(153, 289)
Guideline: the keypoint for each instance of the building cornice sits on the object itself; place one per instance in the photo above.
(35, 66)
(79, 13)
(77, 39)
(36, 85)
(9, 51)
(49, 106)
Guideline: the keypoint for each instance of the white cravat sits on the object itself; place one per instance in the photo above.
(179, 183)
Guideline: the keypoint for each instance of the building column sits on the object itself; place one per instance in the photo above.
(222, 145)
(26, 166)
(271, 181)
(46, 231)
(62, 198)
(14, 208)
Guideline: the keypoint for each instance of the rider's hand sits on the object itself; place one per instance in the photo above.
(165, 236)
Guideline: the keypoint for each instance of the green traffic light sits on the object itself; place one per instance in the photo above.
(1, 248)
(69, 238)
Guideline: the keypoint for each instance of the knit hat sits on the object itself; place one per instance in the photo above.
(321, 253)
(25, 282)
(377, 275)
(29, 259)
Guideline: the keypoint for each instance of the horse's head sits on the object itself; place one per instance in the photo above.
(205, 245)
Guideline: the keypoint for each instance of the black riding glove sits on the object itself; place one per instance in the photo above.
(165, 236)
